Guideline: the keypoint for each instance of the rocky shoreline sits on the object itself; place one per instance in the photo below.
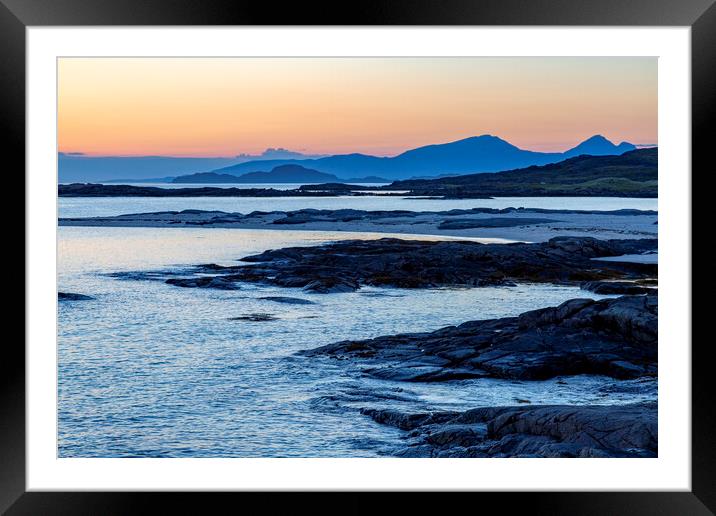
(604, 431)
(611, 337)
(614, 337)
(347, 265)
(517, 224)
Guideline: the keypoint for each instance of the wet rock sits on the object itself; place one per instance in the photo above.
(617, 287)
(160, 275)
(72, 296)
(408, 421)
(311, 215)
(347, 265)
(255, 317)
(331, 285)
(217, 282)
(493, 222)
(344, 266)
(614, 337)
(288, 300)
(457, 435)
(535, 431)
(423, 373)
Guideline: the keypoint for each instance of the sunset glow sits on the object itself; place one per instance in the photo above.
(381, 106)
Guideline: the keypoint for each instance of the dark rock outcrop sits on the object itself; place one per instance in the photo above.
(617, 288)
(612, 337)
(255, 317)
(492, 222)
(331, 285)
(288, 300)
(308, 215)
(475, 217)
(535, 431)
(216, 282)
(388, 262)
(71, 296)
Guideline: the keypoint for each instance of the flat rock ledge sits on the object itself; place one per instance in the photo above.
(536, 431)
(389, 262)
(612, 337)
(506, 216)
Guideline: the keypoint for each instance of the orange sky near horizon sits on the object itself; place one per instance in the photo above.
(381, 106)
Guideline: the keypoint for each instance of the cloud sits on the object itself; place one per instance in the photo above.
(278, 153)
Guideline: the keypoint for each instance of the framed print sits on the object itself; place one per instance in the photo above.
(420, 249)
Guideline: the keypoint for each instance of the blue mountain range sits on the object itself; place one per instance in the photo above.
(484, 153)
(77, 167)
(598, 145)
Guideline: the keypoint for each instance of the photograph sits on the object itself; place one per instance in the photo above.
(414, 248)
(357, 257)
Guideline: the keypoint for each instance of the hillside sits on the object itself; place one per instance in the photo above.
(632, 174)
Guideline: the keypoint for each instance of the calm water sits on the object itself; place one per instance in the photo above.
(109, 206)
(152, 370)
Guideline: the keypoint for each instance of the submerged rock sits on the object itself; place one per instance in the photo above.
(612, 337)
(158, 275)
(204, 282)
(331, 285)
(71, 296)
(288, 300)
(534, 431)
(256, 317)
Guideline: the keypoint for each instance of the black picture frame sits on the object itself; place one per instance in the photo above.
(17, 15)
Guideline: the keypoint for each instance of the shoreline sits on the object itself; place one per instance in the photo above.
(347, 265)
(510, 224)
(615, 337)
(612, 337)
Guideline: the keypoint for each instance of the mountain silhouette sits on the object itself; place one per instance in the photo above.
(280, 174)
(76, 166)
(476, 154)
(598, 145)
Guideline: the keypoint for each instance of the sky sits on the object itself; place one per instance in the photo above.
(381, 106)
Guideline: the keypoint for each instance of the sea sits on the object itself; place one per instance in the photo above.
(147, 369)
